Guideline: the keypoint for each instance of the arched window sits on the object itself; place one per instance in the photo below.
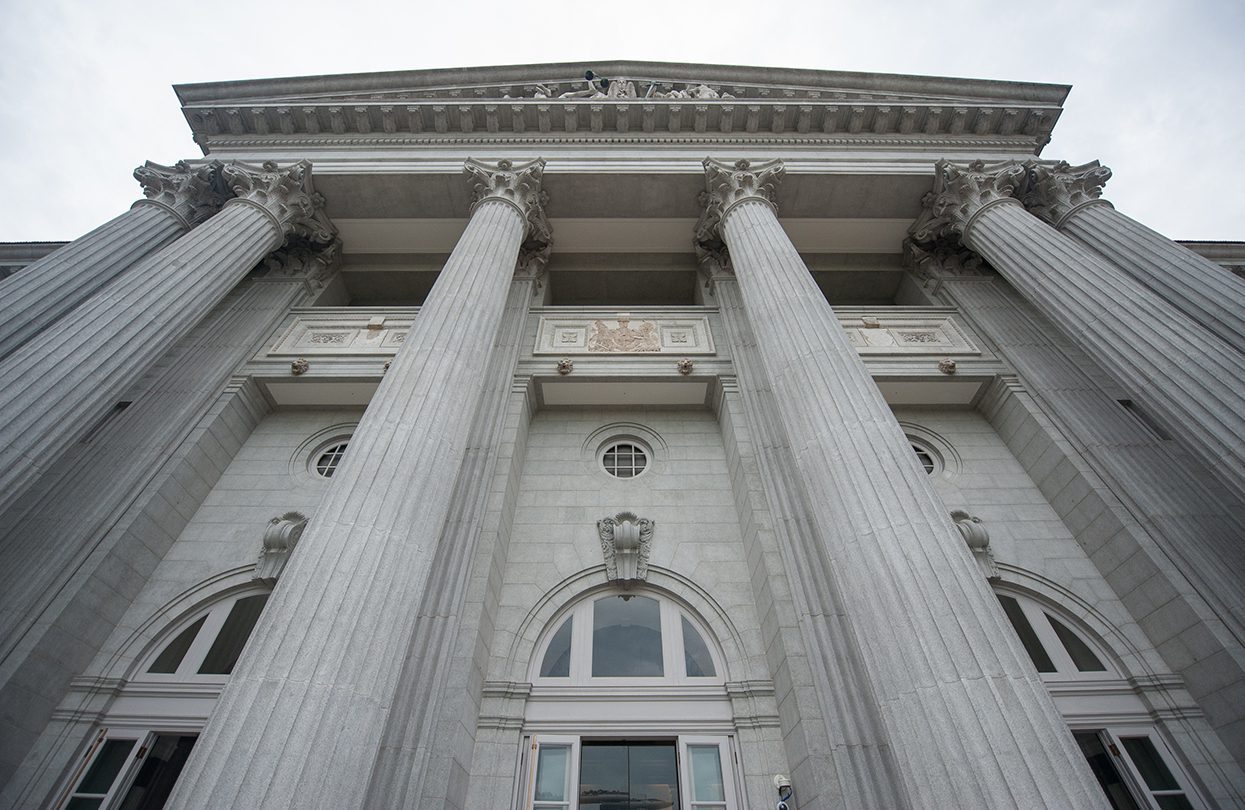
(628, 708)
(150, 728)
(1126, 753)
(628, 637)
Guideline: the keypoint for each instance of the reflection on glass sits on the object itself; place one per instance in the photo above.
(228, 645)
(557, 663)
(1027, 636)
(628, 776)
(1153, 770)
(171, 656)
(1080, 653)
(696, 653)
(106, 766)
(707, 783)
(626, 638)
(551, 773)
(155, 780)
(1104, 770)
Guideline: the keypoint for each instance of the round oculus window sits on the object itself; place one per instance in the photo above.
(329, 459)
(625, 459)
(928, 460)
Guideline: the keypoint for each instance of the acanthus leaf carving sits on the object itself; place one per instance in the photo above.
(286, 195)
(961, 193)
(300, 258)
(193, 193)
(626, 543)
(1056, 192)
(280, 536)
(728, 185)
(518, 185)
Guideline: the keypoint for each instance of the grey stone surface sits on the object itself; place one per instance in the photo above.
(61, 381)
(1193, 381)
(302, 717)
(48, 289)
(899, 564)
(1068, 198)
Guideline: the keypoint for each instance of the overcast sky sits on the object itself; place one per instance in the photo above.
(1158, 88)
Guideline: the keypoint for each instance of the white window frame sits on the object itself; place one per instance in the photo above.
(674, 661)
(214, 618)
(726, 758)
(1112, 738)
(141, 743)
(1065, 667)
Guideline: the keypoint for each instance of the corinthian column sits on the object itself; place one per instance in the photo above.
(62, 380)
(965, 715)
(304, 714)
(1069, 198)
(177, 199)
(1193, 381)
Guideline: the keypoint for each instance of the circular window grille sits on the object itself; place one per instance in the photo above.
(624, 459)
(327, 463)
(928, 460)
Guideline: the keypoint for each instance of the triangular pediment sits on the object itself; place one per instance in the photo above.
(632, 101)
(626, 81)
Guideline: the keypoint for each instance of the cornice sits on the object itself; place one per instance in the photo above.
(626, 120)
(486, 78)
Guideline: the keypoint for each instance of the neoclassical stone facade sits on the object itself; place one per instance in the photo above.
(622, 435)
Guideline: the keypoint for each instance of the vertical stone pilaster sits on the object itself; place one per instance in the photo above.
(62, 380)
(60, 586)
(1069, 198)
(967, 718)
(1192, 380)
(177, 199)
(303, 717)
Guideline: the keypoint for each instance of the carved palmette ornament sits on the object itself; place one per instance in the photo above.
(626, 542)
(280, 536)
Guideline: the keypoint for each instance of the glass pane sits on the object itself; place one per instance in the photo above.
(626, 637)
(233, 635)
(603, 777)
(1105, 771)
(155, 780)
(78, 803)
(170, 657)
(707, 783)
(1173, 803)
(696, 653)
(1078, 650)
(551, 773)
(1149, 764)
(1025, 630)
(108, 763)
(557, 663)
(653, 777)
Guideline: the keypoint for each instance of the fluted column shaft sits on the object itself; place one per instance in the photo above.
(841, 743)
(1068, 197)
(303, 716)
(968, 720)
(43, 292)
(1199, 288)
(54, 386)
(1192, 380)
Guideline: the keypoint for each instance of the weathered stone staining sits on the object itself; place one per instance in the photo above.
(366, 508)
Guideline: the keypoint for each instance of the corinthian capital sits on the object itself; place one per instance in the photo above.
(518, 185)
(286, 195)
(1056, 192)
(961, 193)
(727, 185)
(193, 193)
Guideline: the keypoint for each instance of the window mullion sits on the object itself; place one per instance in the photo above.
(203, 640)
(1055, 650)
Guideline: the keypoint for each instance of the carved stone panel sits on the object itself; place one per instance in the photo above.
(309, 333)
(906, 333)
(622, 333)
